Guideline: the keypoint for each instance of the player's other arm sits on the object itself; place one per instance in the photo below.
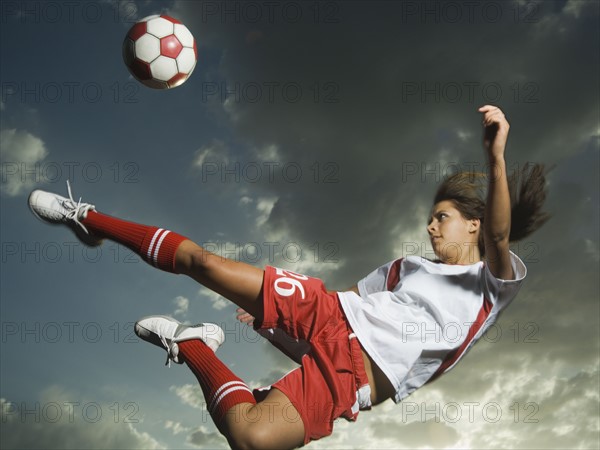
(496, 223)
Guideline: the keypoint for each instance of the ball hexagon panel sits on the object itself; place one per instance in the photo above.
(184, 35)
(163, 68)
(186, 61)
(147, 48)
(170, 46)
(159, 27)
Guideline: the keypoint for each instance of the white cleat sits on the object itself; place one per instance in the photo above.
(55, 209)
(166, 332)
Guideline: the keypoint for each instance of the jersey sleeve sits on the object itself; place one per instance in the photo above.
(502, 292)
(383, 278)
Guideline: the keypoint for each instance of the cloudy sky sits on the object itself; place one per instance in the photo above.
(312, 136)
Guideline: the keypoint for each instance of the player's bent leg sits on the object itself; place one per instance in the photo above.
(273, 423)
(237, 281)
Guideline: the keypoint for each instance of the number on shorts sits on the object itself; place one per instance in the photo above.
(292, 279)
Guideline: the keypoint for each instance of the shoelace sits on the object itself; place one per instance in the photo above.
(74, 208)
(168, 347)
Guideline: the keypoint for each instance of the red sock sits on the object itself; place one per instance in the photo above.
(155, 245)
(221, 387)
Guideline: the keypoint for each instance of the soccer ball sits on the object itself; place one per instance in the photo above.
(160, 52)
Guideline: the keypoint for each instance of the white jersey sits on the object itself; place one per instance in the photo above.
(417, 318)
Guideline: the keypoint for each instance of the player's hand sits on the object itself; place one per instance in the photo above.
(244, 317)
(495, 130)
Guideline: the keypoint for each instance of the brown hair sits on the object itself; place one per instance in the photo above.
(527, 187)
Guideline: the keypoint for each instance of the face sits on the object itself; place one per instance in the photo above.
(453, 238)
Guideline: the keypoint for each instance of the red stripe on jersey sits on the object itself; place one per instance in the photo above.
(453, 356)
(394, 275)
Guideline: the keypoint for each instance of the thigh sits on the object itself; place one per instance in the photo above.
(237, 281)
(298, 304)
(313, 394)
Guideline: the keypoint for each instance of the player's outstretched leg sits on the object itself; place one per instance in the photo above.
(161, 248)
(244, 422)
(155, 245)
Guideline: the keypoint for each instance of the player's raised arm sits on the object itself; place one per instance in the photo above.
(497, 217)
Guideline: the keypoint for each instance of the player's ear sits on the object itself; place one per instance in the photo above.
(474, 225)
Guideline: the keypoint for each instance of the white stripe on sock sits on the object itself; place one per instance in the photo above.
(227, 392)
(158, 247)
(224, 386)
(156, 234)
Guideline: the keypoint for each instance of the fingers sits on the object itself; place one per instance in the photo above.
(486, 108)
(244, 317)
(491, 115)
(247, 319)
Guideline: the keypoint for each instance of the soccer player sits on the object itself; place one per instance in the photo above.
(364, 345)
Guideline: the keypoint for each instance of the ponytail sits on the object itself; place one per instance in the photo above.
(527, 188)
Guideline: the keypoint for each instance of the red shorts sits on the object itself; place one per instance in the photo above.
(325, 387)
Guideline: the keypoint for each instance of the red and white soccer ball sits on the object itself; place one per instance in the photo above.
(160, 52)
